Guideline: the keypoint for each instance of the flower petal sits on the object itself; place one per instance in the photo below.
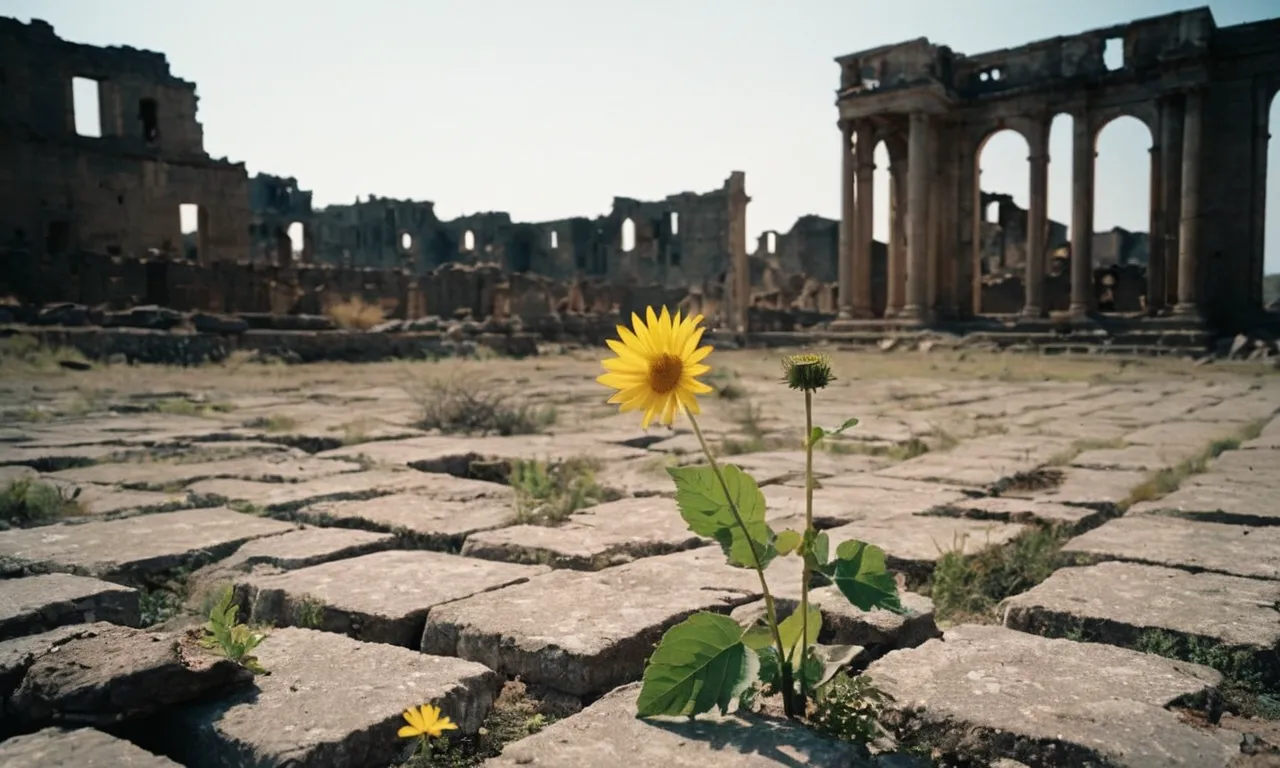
(620, 380)
(697, 355)
(408, 732)
(414, 718)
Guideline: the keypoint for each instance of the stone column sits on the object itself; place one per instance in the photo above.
(1171, 124)
(1083, 154)
(897, 267)
(848, 213)
(1037, 219)
(918, 146)
(1189, 223)
(1155, 243)
(736, 186)
(864, 230)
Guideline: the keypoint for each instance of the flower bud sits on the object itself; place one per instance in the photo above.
(808, 372)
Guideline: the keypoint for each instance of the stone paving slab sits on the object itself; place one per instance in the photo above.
(441, 515)
(329, 701)
(1115, 602)
(1166, 408)
(121, 550)
(839, 505)
(1016, 510)
(1212, 498)
(382, 597)
(52, 458)
(609, 733)
(597, 537)
(1096, 488)
(310, 546)
(290, 496)
(980, 462)
(767, 463)
(984, 692)
(1258, 404)
(843, 623)
(79, 748)
(106, 673)
(282, 467)
(1139, 458)
(1190, 433)
(584, 633)
(37, 604)
(1268, 439)
(913, 544)
(452, 454)
(100, 500)
(1196, 546)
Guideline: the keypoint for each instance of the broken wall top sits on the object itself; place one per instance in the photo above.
(1151, 45)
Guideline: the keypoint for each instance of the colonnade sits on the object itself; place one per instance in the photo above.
(916, 201)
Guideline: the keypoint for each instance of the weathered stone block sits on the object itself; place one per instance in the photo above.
(596, 537)
(584, 633)
(609, 733)
(1118, 603)
(106, 673)
(985, 692)
(41, 603)
(79, 748)
(329, 701)
(382, 597)
(1170, 541)
(125, 549)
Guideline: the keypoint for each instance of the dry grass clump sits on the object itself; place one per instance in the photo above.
(356, 314)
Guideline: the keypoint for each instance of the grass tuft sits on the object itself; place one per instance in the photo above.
(26, 502)
(356, 314)
(546, 494)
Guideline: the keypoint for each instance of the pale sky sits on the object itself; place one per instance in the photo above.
(549, 108)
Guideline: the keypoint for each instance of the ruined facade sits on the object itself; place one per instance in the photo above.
(130, 180)
(118, 184)
(1203, 91)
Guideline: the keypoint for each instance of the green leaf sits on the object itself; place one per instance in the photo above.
(705, 507)
(817, 433)
(859, 573)
(770, 672)
(787, 542)
(815, 549)
(699, 664)
(757, 638)
(794, 636)
(824, 661)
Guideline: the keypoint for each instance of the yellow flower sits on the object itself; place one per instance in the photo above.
(425, 721)
(657, 366)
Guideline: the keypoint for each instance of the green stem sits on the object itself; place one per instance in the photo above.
(770, 612)
(808, 536)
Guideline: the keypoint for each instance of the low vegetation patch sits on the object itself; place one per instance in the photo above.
(1250, 684)
(907, 449)
(458, 407)
(277, 422)
(27, 502)
(1166, 481)
(547, 494)
(514, 716)
(969, 586)
(25, 353)
(181, 406)
(356, 314)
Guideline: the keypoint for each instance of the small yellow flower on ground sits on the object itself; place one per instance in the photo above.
(657, 365)
(425, 721)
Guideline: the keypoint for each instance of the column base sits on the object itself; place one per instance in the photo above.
(1187, 312)
(890, 313)
(913, 314)
(863, 313)
(1033, 313)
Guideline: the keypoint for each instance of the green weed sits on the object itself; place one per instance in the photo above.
(547, 494)
(970, 586)
(27, 502)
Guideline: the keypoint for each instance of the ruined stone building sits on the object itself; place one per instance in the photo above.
(118, 183)
(1202, 90)
(681, 240)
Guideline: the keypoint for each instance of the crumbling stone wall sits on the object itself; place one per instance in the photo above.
(120, 192)
(680, 240)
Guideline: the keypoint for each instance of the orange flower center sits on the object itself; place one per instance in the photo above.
(664, 373)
